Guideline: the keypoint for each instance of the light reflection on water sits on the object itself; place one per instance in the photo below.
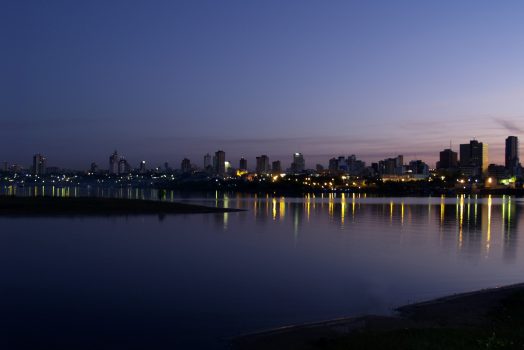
(187, 281)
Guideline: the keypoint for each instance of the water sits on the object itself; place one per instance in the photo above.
(193, 281)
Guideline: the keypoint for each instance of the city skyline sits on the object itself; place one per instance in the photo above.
(178, 79)
(297, 163)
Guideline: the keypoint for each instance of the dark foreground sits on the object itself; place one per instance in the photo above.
(23, 206)
(489, 319)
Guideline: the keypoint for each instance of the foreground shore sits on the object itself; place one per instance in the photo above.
(23, 206)
(486, 319)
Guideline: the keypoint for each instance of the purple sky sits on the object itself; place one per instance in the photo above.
(163, 80)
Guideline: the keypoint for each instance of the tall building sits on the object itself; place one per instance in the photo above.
(207, 161)
(142, 169)
(39, 164)
(94, 168)
(447, 160)
(220, 163)
(276, 167)
(474, 158)
(262, 164)
(299, 165)
(123, 166)
(242, 165)
(512, 154)
(185, 166)
(114, 160)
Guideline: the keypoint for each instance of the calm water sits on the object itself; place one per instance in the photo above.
(192, 281)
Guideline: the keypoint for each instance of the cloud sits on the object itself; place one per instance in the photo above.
(508, 125)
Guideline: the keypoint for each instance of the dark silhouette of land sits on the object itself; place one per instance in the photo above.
(68, 206)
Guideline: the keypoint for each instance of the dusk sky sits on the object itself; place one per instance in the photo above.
(163, 80)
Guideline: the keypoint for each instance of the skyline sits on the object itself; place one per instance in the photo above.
(178, 79)
(206, 158)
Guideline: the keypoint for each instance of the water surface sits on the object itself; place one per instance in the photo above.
(192, 281)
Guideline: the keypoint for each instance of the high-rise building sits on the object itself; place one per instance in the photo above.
(39, 164)
(220, 163)
(185, 166)
(474, 158)
(262, 164)
(276, 167)
(512, 154)
(94, 168)
(447, 160)
(123, 166)
(242, 165)
(142, 169)
(299, 165)
(114, 160)
(207, 161)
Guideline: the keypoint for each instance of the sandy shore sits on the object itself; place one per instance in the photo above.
(68, 206)
(466, 310)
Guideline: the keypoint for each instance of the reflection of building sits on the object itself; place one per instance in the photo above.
(39, 164)
(512, 155)
(298, 166)
(474, 158)
(262, 164)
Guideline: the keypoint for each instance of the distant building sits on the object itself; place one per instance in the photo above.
(185, 166)
(276, 167)
(220, 163)
(418, 168)
(447, 160)
(333, 165)
(142, 168)
(391, 166)
(123, 166)
(242, 165)
(319, 168)
(512, 155)
(262, 164)
(94, 168)
(298, 165)
(5, 167)
(39, 165)
(207, 161)
(474, 158)
(114, 161)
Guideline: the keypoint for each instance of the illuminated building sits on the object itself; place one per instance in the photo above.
(39, 164)
(123, 166)
(299, 165)
(474, 158)
(142, 169)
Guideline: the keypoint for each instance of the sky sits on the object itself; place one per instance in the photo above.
(164, 80)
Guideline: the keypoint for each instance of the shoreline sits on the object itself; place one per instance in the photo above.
(93, 206)
(467, 310)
